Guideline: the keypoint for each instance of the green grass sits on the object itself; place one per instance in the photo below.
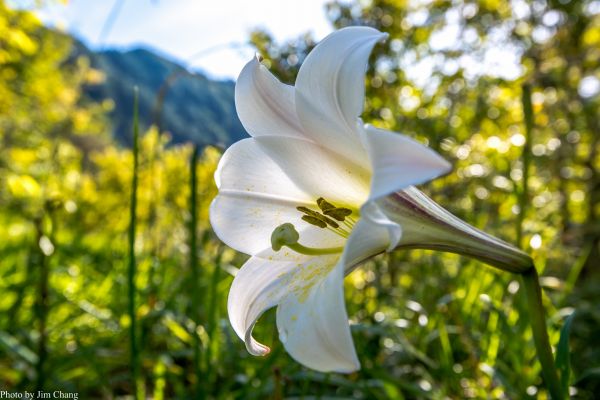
(132, 265)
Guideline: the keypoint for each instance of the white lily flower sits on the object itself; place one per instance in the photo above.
(315, 192)
(309, 178)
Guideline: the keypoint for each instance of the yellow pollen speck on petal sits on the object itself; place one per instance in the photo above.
(303, 295)
(294, 318)
(307, 276)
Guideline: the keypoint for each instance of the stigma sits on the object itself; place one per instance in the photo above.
(287, 235)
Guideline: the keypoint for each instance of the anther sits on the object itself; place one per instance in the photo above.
(312, 216)
(338, 213)
(324, 205)
(314, 221)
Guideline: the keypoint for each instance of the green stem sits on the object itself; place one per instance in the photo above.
(193, 229)
(537, 317)
(135, 368)
(531, 282)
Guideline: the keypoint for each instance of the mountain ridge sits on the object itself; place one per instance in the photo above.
(187, 104)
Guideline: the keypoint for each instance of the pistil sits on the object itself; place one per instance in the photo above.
(287, 235)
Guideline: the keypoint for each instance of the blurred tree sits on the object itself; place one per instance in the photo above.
(46, 131)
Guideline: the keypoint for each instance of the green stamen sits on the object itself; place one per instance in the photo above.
(338, 213)
(307, 211)
(322, 219)
(315, 215)
(348, 225)
(340, 232)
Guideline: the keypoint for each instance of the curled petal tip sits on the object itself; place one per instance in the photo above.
(264, 350)
(255, 348)
(258, 350)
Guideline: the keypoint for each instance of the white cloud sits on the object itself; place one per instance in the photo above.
(182, 28)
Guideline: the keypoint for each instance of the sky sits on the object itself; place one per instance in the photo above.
(180, 29)
(211, 36)
(218, 29)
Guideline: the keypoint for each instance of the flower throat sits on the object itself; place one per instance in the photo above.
(335, 219)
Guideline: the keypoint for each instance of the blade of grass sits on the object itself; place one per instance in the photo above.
(160, 370)
(196, 290)
(44, 292)
(131, 272)
(563, 359)
(212, 318)
(42, 311)
(576, 269)
(526, 160)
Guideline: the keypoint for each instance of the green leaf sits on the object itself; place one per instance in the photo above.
(563, 362)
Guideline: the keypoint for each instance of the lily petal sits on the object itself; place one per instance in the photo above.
(256, 196)
(318, 171)
(264, 105)
(257, 287)
(245, 167)
(399, 161)
(311, 310)
(374, 233)
(376, 221)
(330, 89)
(313, 323)
(250, 296)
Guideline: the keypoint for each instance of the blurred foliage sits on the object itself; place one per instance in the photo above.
(426, 325)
